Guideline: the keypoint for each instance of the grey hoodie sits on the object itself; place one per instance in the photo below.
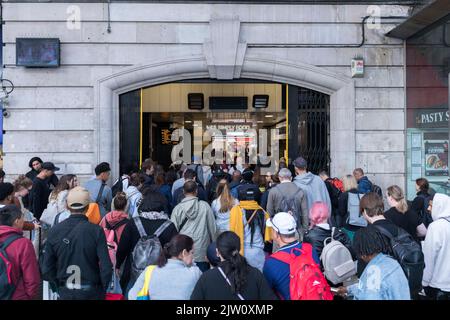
(200, 224)
(314, 189)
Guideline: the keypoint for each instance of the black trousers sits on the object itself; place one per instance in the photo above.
(436, 294)
(92, 294)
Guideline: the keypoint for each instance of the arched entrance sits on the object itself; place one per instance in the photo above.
(338, 87)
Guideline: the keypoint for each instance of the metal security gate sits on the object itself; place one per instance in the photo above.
(314, 129)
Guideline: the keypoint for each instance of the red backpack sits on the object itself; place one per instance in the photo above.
(307, 281)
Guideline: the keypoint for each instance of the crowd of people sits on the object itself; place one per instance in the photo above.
(220, 232)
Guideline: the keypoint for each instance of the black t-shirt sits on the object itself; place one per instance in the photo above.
(213, 286)
(408, 221)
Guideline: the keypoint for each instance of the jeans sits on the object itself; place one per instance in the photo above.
(203, 266)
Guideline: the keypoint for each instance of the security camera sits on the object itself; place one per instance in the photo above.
(6, 113)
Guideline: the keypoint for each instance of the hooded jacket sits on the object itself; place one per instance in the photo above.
(113, 218)
(314, 189)
(200, 224)
(436, 247)
(364, 185)
(25, 269)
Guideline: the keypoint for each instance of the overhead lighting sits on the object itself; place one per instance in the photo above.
(260, 121)
(269, 116)
(188, 121)
(260, 101)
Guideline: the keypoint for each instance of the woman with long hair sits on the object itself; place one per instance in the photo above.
(350, 187)
(57, 210)
(401, 215)
(234, 278)
(175, 267)
(222, 206)
(22, 187)
(422, 200)
(248, 221)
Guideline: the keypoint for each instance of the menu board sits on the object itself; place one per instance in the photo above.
(436, 157)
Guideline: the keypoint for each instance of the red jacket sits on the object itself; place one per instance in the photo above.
(25, 269)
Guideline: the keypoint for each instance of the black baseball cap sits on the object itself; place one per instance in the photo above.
(49, 166)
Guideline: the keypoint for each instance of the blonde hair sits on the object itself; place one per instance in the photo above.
(226, 199)
(397, 194)
(349, 182)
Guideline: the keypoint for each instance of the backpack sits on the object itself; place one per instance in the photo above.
(118, 186)
(355, 218)
(307, 281)
(425, 217)
(377, 190)
(147, 249)
(7, 288)
(338, 184)
(337, 261)
(290, 205)
(409, 255)
(112, 240)
(49, 214)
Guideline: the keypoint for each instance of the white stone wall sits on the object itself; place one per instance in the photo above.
(52, 110)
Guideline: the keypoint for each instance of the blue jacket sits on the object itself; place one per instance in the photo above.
(364, 185)
(382, 279)
(277, 272)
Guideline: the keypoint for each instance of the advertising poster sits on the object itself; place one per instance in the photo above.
(436, 158)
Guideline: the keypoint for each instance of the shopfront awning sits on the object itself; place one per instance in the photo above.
(434, 13)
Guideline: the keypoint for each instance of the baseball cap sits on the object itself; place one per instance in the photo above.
(49, 166)
(283, 223)
(300, 163)
(78, 198)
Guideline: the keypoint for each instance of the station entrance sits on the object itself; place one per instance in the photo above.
(238, 119)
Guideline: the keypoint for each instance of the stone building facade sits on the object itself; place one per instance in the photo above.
(69, 114)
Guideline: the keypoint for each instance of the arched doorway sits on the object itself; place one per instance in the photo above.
(149, 116)
(339, 88)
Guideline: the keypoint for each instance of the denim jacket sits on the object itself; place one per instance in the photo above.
(382, 279)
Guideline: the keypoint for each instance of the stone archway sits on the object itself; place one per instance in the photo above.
(339, 87)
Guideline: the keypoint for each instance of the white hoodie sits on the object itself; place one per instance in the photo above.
(436, 247)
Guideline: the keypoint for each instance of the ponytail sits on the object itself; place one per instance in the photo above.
(174, 248)
(397, 194)
(235, 266)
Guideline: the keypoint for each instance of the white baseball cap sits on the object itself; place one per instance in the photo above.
(283, 223)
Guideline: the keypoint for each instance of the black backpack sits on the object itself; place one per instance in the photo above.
(7, 288)
(409, 255)
(118, 186)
